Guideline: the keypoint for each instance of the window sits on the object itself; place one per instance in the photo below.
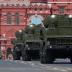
(61, 10)
(9, 19)
(17, 20)
(17, 5)
(40, 9)
(35, 9)
(36, 20)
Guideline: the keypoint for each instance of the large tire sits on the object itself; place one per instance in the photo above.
(43, 58)
(46, 58)
(16, 56)
(50, 58)
(26, 56)
(71, 60)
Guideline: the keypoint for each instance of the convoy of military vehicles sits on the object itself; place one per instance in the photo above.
(48, 42)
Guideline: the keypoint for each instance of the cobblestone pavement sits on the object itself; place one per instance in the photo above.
(35, 66)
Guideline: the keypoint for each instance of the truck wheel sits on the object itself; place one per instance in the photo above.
(50, 58)
(71, 60)
(47, 59)
(43, 58)
(16, 56)
(26, 57)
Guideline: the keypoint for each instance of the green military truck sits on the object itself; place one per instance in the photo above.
(28, 43)
(58, 40)
(52, 41)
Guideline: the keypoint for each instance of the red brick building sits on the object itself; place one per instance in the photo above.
(16, 14)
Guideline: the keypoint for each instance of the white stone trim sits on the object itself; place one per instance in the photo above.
(60, 2)
(15, 2)
(55, 2)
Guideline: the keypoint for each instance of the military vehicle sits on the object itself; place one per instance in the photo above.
(28, 43)
(58, 40)
(52, 41)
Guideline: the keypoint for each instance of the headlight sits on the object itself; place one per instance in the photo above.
(50, 46)
(28, 48)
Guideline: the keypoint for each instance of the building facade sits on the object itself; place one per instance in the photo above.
(16, 14)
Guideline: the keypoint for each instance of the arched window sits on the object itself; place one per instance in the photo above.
(17, 19)
(36, 20)
(9, 18)
(61, 9)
